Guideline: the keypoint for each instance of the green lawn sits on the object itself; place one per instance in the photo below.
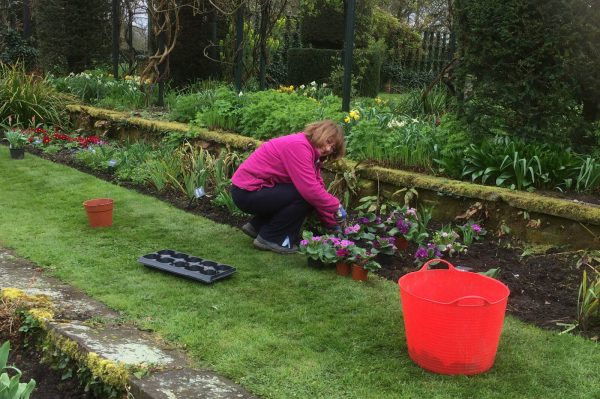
(276, 327)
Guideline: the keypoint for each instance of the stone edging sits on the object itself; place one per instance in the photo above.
(568, 209)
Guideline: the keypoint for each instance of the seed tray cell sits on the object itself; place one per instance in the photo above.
(185, 265)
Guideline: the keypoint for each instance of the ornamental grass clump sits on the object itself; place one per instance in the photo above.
(24, 95)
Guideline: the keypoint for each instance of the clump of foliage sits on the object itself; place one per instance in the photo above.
(11, 387)
(14, 49)
(25, 96)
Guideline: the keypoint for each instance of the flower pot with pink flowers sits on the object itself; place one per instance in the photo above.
(320, 250)
(362, 261)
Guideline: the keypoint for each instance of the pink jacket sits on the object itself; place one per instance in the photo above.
(284, 160)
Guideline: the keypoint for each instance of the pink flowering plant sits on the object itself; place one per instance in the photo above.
(326, 248)
(320, 248)
(471, 231)
(358, 232)
(363, 257)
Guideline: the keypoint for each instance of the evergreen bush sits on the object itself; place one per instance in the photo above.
(512, 71)
(309, 64)
(15, 49)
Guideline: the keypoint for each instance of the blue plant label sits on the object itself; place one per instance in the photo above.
(112, 163)
(199, 192)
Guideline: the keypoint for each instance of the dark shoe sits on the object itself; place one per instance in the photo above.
(265, 245)
(249, 230)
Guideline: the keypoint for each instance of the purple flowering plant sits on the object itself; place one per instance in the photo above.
(444, 242)
(405, 222)
(471, 231)
(427, 252)
(384, 245)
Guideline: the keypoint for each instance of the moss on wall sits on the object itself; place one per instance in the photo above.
(560, 216)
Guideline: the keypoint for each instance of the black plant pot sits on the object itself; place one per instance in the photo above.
(384, 260)
(315, 263)
(17, 153)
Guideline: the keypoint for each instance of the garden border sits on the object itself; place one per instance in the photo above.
(535, 218)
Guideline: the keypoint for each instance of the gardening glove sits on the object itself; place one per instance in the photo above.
(340, 215)
(337, 229)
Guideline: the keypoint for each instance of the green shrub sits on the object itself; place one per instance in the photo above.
(16, 49)
(366, 71)
(185, 106)
(271, 113)
(520, 86)
(220, 110)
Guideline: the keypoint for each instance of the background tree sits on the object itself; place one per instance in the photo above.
(72, 35)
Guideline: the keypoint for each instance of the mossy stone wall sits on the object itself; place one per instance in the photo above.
(533, 218)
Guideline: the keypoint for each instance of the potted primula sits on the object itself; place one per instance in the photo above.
(16, 143)
(362, 261)
(403, 224)
(343, 250)
(320, 250)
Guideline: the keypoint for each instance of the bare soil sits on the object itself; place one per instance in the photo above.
(28, 358)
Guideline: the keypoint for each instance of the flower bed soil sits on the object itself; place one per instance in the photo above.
(27, 358)
(543, 287)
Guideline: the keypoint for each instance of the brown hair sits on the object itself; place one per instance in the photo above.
(325, 132)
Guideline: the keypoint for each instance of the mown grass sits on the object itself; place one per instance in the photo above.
(276, 327)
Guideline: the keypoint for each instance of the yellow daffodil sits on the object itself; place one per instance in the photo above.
(347, 120)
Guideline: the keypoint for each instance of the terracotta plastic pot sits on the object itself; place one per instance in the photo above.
(342, 268)
(99, 211)
(359, 273)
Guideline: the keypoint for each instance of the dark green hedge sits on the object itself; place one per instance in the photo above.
(323, 24)
(371, 71)
(517, 69)
(324, 30)
(309, 64)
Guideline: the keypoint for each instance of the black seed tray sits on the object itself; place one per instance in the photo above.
(185, 265)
